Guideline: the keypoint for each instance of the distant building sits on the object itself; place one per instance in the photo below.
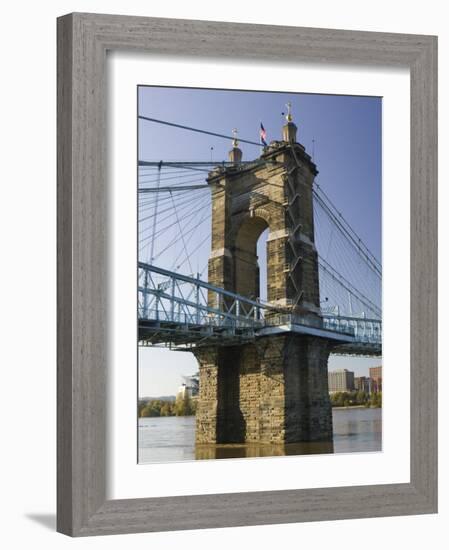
(190, 386)
(362, 383)
(375, 373)
(341, 381)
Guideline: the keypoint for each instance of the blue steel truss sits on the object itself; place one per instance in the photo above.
(183, 311)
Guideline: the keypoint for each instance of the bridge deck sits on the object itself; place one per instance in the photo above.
(182, 312)
(183, 336)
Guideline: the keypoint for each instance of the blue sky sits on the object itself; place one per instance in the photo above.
(342, 132)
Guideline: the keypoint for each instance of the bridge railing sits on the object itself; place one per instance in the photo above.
(206, 319)
(309, 321)
(172, 297)
(364, 330)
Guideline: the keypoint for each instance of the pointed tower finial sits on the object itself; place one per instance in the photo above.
(235, 141)
(289, 129)
(235, 155)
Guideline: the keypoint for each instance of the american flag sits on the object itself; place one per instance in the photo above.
(263, 135)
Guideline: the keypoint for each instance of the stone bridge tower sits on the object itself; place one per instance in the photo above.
(274, 390)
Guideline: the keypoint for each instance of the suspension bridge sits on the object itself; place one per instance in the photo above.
(174, 308)
(251, 266)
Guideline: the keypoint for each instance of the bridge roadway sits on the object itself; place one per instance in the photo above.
(175, 311)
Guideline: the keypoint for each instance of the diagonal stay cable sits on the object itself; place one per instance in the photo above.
(146, 198)
(187, 217)
(193, 210)
(175, 239)
(182, 205)
(348, 286)
(204, 218)
(143, 178)
(345, 227)
(166, 123)
(346, 259)
(198, 246)
(180, 231)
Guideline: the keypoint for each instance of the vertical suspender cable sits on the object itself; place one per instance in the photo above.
(158, 183)
(145, 295)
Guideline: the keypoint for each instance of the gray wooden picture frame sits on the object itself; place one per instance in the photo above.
(83, 40)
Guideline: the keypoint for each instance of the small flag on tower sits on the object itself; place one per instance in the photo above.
(263, 135)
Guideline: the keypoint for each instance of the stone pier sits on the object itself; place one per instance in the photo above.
(273, 390)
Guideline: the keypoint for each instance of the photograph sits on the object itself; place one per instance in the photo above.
(259, 274)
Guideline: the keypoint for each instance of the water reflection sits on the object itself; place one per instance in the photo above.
(252, 450)
(172, 439)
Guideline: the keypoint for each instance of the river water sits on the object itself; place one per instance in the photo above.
(172, 438)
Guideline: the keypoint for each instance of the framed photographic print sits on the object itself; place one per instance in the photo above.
(247, 274)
